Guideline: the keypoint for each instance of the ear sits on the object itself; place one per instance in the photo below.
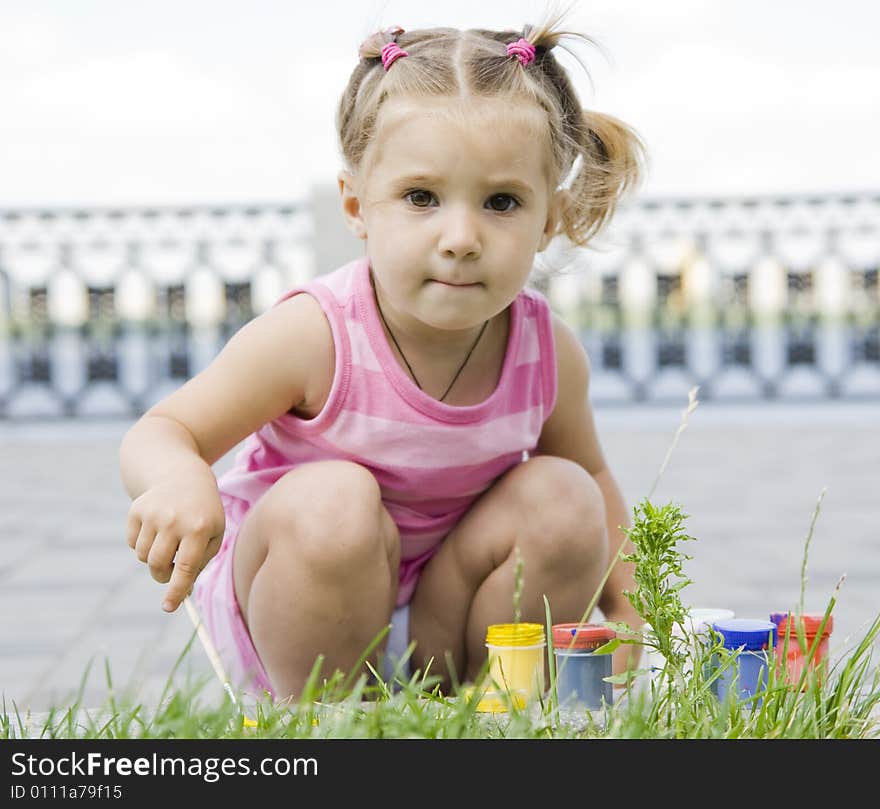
(560, 200)
(351, 205)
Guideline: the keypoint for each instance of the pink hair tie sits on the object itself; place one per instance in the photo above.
(523, 50)
(391, 53)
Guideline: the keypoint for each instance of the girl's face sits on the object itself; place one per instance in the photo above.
(454, 199)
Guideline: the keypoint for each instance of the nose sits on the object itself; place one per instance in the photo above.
(460, 233)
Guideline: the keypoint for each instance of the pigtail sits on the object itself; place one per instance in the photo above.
(547, 33)
(602, 155)
(371, 47)
(612, 157)
(426, 70)
(355, 118)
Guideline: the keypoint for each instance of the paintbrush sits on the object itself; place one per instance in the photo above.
(208, 646)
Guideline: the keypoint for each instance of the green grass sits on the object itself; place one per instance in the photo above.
(677, 702)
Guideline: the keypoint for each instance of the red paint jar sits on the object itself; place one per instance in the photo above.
(793, 631)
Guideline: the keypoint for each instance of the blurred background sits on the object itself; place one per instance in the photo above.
(167, 169)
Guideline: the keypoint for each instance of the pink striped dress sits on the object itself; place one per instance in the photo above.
(431, 460)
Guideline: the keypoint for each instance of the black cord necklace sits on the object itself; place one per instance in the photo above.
(406, 361)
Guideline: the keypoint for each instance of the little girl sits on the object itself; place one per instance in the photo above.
(417, 421)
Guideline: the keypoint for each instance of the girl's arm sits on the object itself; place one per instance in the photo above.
(570, 433)
(281, 360)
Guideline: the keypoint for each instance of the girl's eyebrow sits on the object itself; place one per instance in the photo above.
(418, 179)
(511, 184)
(506, 183)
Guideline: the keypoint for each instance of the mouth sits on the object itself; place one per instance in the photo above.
(456, 284)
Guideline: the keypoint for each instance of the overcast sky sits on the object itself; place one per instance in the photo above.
(191, 101)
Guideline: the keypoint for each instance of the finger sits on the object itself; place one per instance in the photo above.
(187, 565)
(161, 556)
(132, 528)
(214, 544)
(144, 542)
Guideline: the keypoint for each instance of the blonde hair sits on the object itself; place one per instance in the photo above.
(451, 62)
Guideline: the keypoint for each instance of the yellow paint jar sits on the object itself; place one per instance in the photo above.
(516, 665)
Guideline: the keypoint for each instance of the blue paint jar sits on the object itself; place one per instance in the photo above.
(580, 672)
(755, 642)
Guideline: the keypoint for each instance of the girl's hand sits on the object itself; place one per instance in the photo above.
(176, 528)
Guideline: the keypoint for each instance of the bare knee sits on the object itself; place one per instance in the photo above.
(564, 511)
(330, 513)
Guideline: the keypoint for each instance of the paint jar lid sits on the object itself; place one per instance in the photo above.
(699, 619)
(809, 623)
(581, 636)
(748, 633)
(519, 634)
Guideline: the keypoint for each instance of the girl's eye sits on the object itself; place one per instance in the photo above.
(503, 203)
(420, 198)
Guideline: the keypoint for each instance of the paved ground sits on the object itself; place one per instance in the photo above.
(749, 477)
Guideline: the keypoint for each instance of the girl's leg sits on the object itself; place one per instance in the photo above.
(315, 571)
(553, 511)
